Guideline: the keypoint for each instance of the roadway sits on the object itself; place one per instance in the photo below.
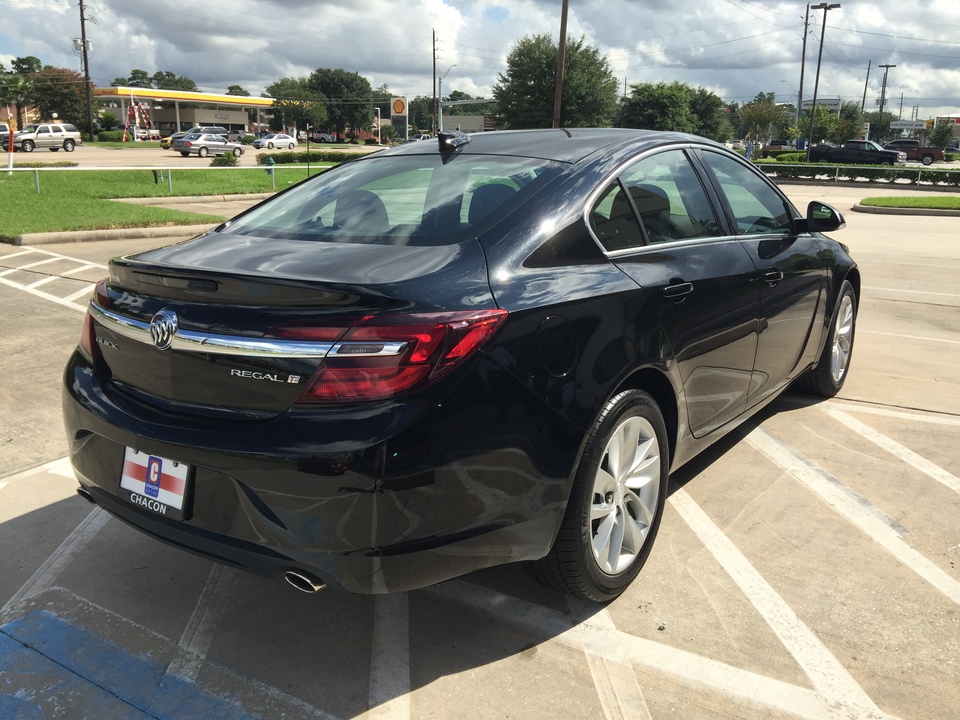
(807, 567)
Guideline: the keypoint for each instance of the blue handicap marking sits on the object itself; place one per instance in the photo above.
(51, 669)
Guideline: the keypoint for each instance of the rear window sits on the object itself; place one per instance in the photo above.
(412, 200)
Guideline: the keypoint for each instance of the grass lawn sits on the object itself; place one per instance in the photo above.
(81, 199)
(926, 203)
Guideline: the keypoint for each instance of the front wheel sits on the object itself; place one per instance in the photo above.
(28, 146)
(185, 154)
(54, 149)
(827, 377)
(68, 145)
(616, 503)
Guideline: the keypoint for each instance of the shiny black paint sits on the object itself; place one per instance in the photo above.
(476, 470)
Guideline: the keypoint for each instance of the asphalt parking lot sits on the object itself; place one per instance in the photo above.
(807, 566)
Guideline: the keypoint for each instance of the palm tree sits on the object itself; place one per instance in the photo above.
(16, 90)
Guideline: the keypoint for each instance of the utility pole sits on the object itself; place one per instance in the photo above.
(863, 103)
(816, 83)
(86, 68)
(434, 83)
(561, 52)
(883, 91)
(803, 61)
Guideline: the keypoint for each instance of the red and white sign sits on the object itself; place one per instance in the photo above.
(155, 477)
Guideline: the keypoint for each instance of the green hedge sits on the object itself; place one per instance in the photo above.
(300, 156)
(110, 136)
(791, 157)
(864, 173)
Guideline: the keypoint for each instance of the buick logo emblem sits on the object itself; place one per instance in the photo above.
(163, 327)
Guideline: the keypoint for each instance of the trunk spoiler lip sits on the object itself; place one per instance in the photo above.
(262, 347)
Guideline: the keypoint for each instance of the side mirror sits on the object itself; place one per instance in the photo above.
(822, 218)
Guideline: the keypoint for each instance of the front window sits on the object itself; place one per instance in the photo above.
(413, 200)
(757, 208)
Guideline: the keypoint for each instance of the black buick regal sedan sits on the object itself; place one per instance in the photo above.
(457, 353)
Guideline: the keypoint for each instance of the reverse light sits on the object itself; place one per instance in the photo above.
(381, 357)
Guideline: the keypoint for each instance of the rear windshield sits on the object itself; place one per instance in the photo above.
(404, 200)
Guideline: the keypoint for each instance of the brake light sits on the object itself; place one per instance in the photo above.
(88, 334)
(381, 357)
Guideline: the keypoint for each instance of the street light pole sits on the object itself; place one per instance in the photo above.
(816, 83)
(883, 92)
(440, 100)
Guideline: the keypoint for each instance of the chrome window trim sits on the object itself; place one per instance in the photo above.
(190, 341)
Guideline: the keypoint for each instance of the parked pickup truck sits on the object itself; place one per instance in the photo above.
(856, 152)
(916, 151)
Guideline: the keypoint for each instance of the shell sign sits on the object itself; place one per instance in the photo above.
(398, 107)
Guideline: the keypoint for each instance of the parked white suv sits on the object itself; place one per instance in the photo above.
(47, 135)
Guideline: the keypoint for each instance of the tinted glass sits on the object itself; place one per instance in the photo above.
(757, 207)
(663, 190)
(417, 200)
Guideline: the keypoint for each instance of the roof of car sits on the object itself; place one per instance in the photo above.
(563, 145)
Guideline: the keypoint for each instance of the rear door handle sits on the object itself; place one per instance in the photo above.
(772, 276)
(678, 290)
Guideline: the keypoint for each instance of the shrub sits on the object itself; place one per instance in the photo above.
(300, 156)
(225, 160)
(248, 139)
(791, 157)
(110, 136)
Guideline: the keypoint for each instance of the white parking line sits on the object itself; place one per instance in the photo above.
(896, 449)
(389, 691)
(912, 337)
(826, 673)
(45, 575)
(922, 417)
(838, 496)
(621, 697)
(752, 689)
(912, 292)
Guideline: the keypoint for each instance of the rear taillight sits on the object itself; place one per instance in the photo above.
(88, 335)
(381, 357)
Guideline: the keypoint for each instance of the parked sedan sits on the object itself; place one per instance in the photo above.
(275, 140)
(206, 144)
(455, 354)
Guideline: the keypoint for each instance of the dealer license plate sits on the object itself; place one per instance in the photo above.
(155, 483)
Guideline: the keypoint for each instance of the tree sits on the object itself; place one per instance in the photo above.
(420, 113)
(349, 98)
(525, 94)
(879, 126)
(942, 134)
(107, 120)
(478, 109)
(658, 106)
(17, 90)
(60, 91)
(762, 118)
(849, 123)
(138, 78)
(824, 126)
(237, 90)
(710, 115)
(295, 104)
(27, 65)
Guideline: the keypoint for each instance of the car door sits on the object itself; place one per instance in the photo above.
(43, 137)
(658, 226)
(790, 267)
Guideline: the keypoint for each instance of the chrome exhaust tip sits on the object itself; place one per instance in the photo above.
(303, 582)
(85, 494)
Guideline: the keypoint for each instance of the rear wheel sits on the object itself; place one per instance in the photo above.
(270, 146)
(828, 376)
(68, 145)
(616, 503)
(927, 159)
(202, 152)
(290, 146)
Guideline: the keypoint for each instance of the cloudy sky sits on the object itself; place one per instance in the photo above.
(736, 48)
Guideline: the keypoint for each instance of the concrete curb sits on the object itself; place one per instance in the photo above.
(870, 209)
(167, 231)
(171, 200)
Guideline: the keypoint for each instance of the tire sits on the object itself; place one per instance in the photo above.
(202, 152)
(616, 502)
(887, 164)
(53, 149)
(270, 146)
(185, 154)
(826, 378)
(237, 152)
(291, 146)
(28, 146)
(927, 159)
(69, 145)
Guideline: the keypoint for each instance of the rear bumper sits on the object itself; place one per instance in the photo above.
(379, 499)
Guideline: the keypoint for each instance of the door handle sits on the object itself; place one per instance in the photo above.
(772, 276)
(678, 290)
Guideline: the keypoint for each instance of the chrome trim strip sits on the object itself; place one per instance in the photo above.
(189, 341)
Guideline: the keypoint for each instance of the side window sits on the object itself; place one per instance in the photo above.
(757, 207)
(664, 192)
